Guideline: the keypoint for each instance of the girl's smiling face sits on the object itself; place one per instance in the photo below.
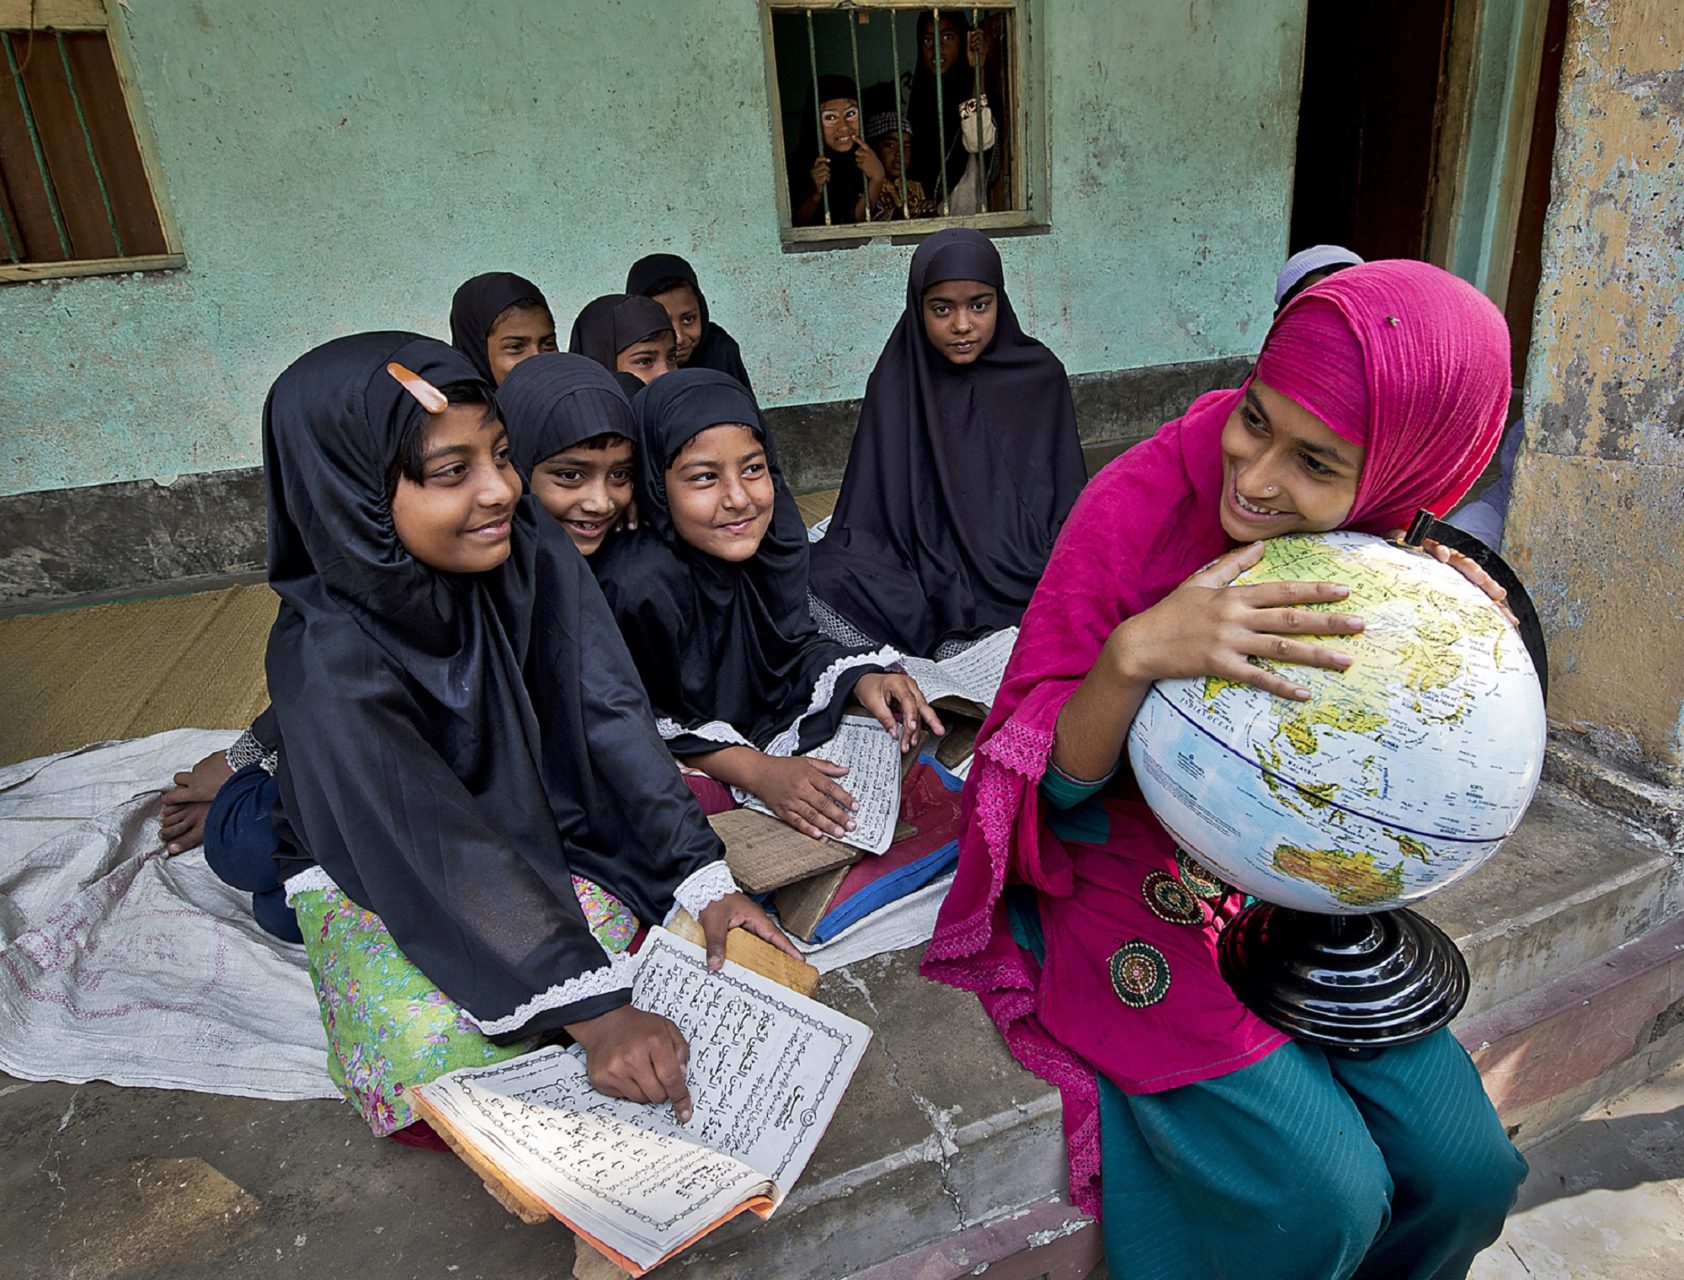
(959, 318)
(1284, 470)
(516, 334)
(457, 515)
(649, 359)
(840, 119)
(586, 489)
(721, 493)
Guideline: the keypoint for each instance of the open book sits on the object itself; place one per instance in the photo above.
(873, 759)
(967, 681)
(767, 1069)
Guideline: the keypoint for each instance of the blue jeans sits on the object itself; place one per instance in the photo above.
(240, 847)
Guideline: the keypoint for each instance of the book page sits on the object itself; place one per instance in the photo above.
(622, 1172)
(767, 1069)
(873, 759)
(817, 531)
(768, 1066)
(973, 675)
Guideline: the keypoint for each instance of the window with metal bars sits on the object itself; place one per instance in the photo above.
(77, 185)
(893, 117)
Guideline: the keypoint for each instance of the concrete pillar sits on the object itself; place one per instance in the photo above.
(1596, 522)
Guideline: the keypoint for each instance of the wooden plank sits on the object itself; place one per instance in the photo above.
(26, 188)
(65, 15)
(766, 853)
(107, 113)
(751, 952)
(819, 6)
(49, 270)
(69, 168)
(917, 229)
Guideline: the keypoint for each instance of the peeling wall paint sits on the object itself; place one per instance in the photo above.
(340, 167)
(1597, 520)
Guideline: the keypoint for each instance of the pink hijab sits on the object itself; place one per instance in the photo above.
(1403, 358)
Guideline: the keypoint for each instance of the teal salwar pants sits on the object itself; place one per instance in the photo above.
(1306, 1165)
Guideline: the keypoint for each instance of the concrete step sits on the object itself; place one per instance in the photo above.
(1574, 882)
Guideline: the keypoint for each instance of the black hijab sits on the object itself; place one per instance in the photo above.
(728, 652)
(557, 400)
(959, 477)
(847, 180)
(454, 746)
(936, 134)
(658, 273)
(613, 322)
(475, 309)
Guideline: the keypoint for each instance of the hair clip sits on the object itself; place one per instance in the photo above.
(431, 398)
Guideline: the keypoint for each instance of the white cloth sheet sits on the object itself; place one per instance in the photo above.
(118, 963)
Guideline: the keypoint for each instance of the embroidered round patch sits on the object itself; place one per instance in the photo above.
(1139, 974)
(1171, 900)
(1196, 878)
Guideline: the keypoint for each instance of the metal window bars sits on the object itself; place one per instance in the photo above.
(856, 13)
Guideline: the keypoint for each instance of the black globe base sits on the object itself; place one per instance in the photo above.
(1356, 982)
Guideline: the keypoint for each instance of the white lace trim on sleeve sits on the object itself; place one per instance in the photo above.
(306, 880)
(616, 975)
(701, 889)
(824, 689)
(714, 731)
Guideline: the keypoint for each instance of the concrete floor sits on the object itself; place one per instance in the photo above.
(99, 1183)
(1605, 1199)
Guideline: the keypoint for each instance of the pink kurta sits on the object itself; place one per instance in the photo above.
(1130, 987)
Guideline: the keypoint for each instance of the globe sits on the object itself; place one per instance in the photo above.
(1399, 775)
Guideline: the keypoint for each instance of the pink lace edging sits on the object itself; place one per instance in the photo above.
(1006, 985)
(1014, 749)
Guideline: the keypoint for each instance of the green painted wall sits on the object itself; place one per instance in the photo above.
(339, 167)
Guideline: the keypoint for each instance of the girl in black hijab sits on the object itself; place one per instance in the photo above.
(964, 466)
(462, 733)
(626, 334)
(570, 433)
(702, 343)
(846, 171)
(499, 319)
(955, 48)
(711, 596)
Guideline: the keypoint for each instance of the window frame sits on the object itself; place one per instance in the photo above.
(49, 16)
(1030, 118)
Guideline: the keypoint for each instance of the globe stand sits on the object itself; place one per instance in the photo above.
(1358, 982)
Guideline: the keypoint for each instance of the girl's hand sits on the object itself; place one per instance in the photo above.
(869, 162)
(898, 704)
(805, 794)
(738, 911)
(187, 804)
(820, 173)
(976, 48)
(1470, 569)
(637, 1056)
(1207, 628)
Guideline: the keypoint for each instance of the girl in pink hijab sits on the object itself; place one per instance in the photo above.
(1210, 1143)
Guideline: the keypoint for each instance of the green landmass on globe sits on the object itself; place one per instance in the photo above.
(1352, 876)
